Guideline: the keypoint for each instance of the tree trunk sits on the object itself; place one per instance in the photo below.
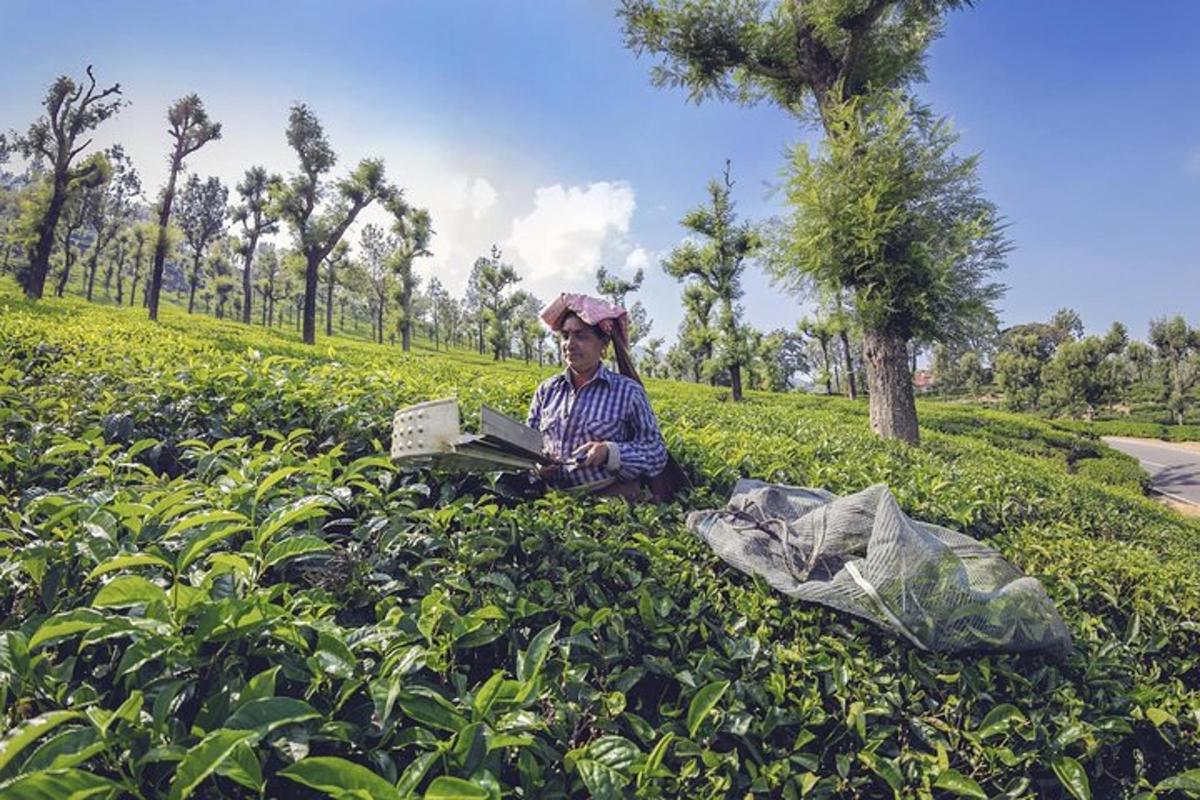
(192, 288)
(379, 325)
(329, 301)
(247, 289)
(93, 268)
(133, 290)
(892, 408)
(160, 241)
(825, 361)
(39, 261)
(735, 380)
(850, 381)
(68, 262)
(311, 275)
(405, 336)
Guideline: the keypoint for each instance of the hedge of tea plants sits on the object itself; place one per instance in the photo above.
(214, 583)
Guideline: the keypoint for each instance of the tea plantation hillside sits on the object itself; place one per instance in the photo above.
(215, 584)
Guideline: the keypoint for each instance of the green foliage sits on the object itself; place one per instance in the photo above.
(216, 584)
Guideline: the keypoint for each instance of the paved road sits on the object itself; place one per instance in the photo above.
(1174, 471)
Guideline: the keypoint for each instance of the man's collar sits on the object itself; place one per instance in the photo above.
(602, 374)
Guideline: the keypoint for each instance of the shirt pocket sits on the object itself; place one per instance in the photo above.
(552, 435)
(606, 430)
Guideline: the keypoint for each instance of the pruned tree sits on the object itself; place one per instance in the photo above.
(202, 220)
(414, 231)
(190, 130)
(378, 247)
(319, 225)
(717, 262)
(336, 259)
(1178, 348)
(782, 355)
(82, 198)
(142, 234)
(71, 110)
(651, 363)
(494, 278)
(1086, 374)
(821, 331)
(267, 274)
(109, 207)
(889, 215)
(219, 266)
(815, 60)
(474, 313)
(435, 301)
(694, 349)
(256, 216)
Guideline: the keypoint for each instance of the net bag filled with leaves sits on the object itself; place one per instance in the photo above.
(861, 554)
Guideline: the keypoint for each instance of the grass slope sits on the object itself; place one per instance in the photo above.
(215, 585)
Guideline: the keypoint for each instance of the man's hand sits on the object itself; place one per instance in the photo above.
(596, 453)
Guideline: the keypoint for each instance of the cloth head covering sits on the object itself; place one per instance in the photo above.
(608, 317)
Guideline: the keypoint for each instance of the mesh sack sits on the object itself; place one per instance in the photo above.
(861, 554)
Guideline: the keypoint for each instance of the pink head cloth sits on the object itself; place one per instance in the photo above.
(610, 318)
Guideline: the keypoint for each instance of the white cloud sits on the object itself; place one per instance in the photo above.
(482, 197)
(564, 238)
(637, 259)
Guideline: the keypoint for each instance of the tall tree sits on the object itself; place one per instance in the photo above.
(81, 200)
(693, 352)
(1178, 349)
(202, 220)
(320, 225)
(267, 259)
(717, 264)
(142, 234)
(71, 110)
(474, 313)
(414, 230)
(494, 279)
(190, 129)
(889, 215)
(616, 288)
(378, 248)
(436, 297)
(1087, 373)
(337, 257)
(257, 218)
(805, 57)
(111, 207)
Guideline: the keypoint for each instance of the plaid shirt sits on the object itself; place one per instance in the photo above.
(608, 408)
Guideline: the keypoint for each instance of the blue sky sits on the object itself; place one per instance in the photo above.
(529, 124)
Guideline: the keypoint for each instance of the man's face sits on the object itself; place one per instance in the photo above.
(581, 347)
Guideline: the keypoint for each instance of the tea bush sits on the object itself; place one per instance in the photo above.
(215, 584)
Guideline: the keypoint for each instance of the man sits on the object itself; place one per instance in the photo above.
(596, 423)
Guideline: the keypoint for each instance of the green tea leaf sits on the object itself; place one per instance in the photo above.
(337, 776)
(268, 713)
(59, 784)
(127, 561)
(999, 720)
(184, 524)
(295, 512)
(702, 703)
(529, 664)
(66, 624)
(952, 780)
(203, 759)
(294, 547)
(1070, 773)
(128, 590)
(30, 731)
(445, 787)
